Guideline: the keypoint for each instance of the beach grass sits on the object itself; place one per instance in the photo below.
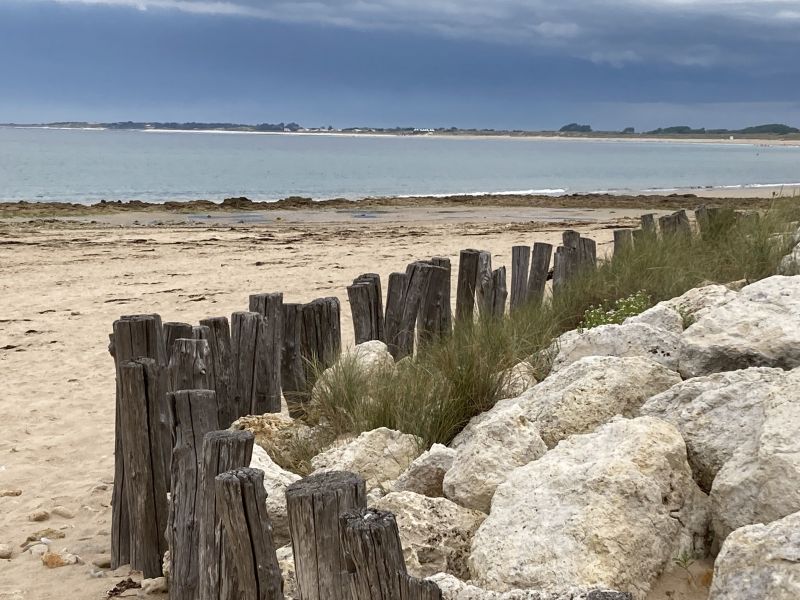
(434, 394)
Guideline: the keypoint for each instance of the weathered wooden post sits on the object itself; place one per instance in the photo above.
(374, 557)
(682, 225)
(321, 339)
(222, 451)
(219, 342)
(520, 267)
(571, 239)
(201, 332)
(434, 317)
(270, 306)
(194, 414)
(467, 280)
(418, 276)
(540, 267)
(649, 223)
(446, 323)
(484, 285)
(412, 588)
(141, 386)
(134, 336)
(314, 505)
(190, 366)
(293, 367)
(241, 502)
(623, 241)
(587, 253)
(499, 292)
(249, 338)
(172, 332)
(366, 304)
(701, 218)
(667, 225)
(395, 297)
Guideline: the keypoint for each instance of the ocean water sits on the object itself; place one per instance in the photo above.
(89, 165)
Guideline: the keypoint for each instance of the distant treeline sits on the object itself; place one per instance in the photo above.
(771, 129)
(191, 126)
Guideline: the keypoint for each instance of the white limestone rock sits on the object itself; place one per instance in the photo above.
(276, 480)
(790, 264)
(700, 301)
(371, 357)
(435, 533)
(661, 316)
(380, 456)
(519, 379)
(716, 415)
(760, 327)
(500, 441)
(424, 475)
(455, 589)
(607, 509)
(630, 339)
(760, 561)
(591, 392)
(761, 481)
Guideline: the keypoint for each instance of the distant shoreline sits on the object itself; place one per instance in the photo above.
(792, 140)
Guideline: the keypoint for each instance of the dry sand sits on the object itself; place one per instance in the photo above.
(63, 283)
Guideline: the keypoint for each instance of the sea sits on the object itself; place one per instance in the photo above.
(89, 165)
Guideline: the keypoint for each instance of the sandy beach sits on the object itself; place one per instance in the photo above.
(64, 281)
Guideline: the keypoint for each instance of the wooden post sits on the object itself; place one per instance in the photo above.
(395, 297)
(134, 336)
(241, 501)
(587, 253)
(701, 217)
(314, 505)
(540, 267)
(371, 544)
(467, 279)
(571, 239)
(201, 332)
(434, 315)
(190, 367)
(561, 262)
(483, 285)
(649, 223)
(194, 414)
(321, 338)
(293, 367)
(172, 332)
(270, 306)
(222, 451)
(639, 235)
(682, 225)
(412, 588)
(219, 342)
(667, 225)
(623, 241)
(366, 304)
(446, 324)
(249, 337)
(499, 292)
(145, 483)
(520, 266)
(418, 276)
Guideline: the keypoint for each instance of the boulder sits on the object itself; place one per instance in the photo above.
(455, 589)
(761, 481)
(435, 533)
(518, 379)
(370, 357)
(379, 456)
(276, 480)
(790, 264)
(630, 339)
(424, 475)
(700, 301)
(278, 434)
(498, 442)
(716, 415)
(760, 561)
(661, 316)
(760, 327)
(285, 558)
(607, 509)
(591, 392)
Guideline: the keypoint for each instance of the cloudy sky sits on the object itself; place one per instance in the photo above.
(528, 64)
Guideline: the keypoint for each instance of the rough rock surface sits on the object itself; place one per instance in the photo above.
(716, 415)
(700, 301)
(790, 264)
(519, 378)
(379, 456)
(286, 564)
(435, 533)
(424, 475)
(760, 561)
(591, 392)
(370, 357)
(760, 327)
(661, 316)
(276, 480)
(607, 509)
(276, 433)
(761, 481)
(497, 443)
(630, 339)
(455, 589)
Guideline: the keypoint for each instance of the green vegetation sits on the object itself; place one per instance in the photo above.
(448, 382)
(575, 128)
(614, 313)
(770, 129)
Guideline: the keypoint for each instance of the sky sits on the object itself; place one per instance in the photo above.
(502, 64)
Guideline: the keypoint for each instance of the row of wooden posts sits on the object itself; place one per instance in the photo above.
(179, 387)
